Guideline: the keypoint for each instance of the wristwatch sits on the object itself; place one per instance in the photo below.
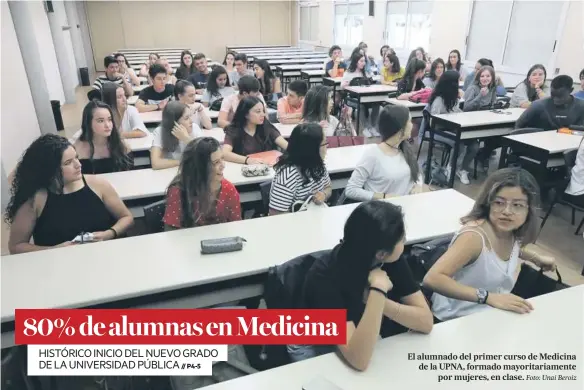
(482, 295)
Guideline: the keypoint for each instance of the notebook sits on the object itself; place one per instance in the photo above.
(270, 158)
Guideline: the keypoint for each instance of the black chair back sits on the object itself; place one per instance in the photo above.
(94, 94)
(153, 214)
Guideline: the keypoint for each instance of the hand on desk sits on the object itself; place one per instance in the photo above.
(254, 161)
(509, 302)
(319, 198)
(103, 236)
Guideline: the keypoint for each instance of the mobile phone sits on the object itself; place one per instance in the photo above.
(320, 383)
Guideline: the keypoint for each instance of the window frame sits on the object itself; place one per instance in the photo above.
(307, 4)
(364, 4)
(405, 51)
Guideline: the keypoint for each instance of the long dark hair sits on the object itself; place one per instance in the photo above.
(435, 64)
(392, 119)
(414, 66)
(181, 87)
(193, 178)
(372, 227)
(116, 55)
(237, 126)
(266, 81)
(115, 145)
(355, 58)
(303, 151)
(212, 86)
(458, 62)
(394, 60)
(315, 107)
(447, 89)
(531, 92)
(172, 112)
(509, 177)
(413, 54)
(187, 70)
(225, 58)
(108, 96)
(39, 168)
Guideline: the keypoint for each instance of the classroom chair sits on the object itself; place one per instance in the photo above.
(153, 214)
(94, 94)
(425, 126)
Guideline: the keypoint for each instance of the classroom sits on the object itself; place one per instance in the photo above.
(417, 163)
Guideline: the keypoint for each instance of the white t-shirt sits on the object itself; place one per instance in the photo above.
(132, 121)
(576, 186)
(176, 154)
(223, 93)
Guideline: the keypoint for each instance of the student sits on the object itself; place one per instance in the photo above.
(385, 50)
(300, 172)
(113, 75)
(575, 191)
(560, 110)
(144, 70)
(269, 84)
(156, 96)
(391, 168)
(454, 63)
(501, 91)
(172, 136)
(53, 202)
(185, 93)
(218, 86)
(436, 70)
(483, 92)
(199, 195)
(391, 71)
(187, 67)
(336, 67)
(201, 77)
(478, 270)
(100, 148)
(250, 133)
(229, 62)
(357, 69)
(412, 80)
(317, 109)
(290, 106)
(126, 117)
(367, 276)
(170, 79)
(580, 94)
(421, 55)
(531, 89)
(247, 86)
(126, 70)
(370, 65)
(240, 69)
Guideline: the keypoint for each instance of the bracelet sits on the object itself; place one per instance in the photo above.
(115, 233)
(378, 290)
(247, 158)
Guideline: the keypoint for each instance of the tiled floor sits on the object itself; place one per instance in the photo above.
(557, 237)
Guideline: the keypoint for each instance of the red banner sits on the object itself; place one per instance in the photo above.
(184, 326)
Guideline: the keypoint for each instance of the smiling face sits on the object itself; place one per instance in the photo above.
(537, 77)
(439, 70)
(221, 80)
(187, 60)
(121, 101)
(361, 63)
(70, 165)
(453, 58)
(186, 120)
(486, 78)
(509, 209)
(256, 115)
(201, 65)
(101, 123)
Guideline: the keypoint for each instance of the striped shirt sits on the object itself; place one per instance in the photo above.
(101, 80)
(289, 186)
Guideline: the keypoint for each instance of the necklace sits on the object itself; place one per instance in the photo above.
(391, 146)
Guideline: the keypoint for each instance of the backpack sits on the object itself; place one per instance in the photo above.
(216, 105)
(421, 96)
(423, 256)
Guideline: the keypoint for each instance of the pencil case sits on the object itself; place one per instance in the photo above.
(222, 245)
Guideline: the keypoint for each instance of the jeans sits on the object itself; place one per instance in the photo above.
(298, 353)
(472, 148)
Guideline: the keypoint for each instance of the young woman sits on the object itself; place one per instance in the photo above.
(184, 92)
(171, 78)
(478, 270)
(444, 100)
(126, 70)
(370, 65)
(199, 194)
(250, 133)
(218, 86)
(483, 92)
(126, 118)
(391, 168)
(229, 62)
(269, 84)
(385, 50)
(454, 63)
(412, 80)
(501, 91)
(367, 276)
(152, 57)
(532, 88)
(300, 172)
(317, 109)
(172, 136)
(421, 55)
(436, 70)
(391, 70)
(186, 67)
(100, 148)
(53, 202)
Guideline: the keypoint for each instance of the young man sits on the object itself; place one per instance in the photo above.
(248, 86)
(290, 107)
(336, 66)
(240, 69)
(580, 94)
(163, 61)
(156, 96)
(112, 75)
(561, 109)
(201, 77)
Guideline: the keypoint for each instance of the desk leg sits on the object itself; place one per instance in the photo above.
(503, 159)
(335, 107)
(454, 159)
(358, 113)
(429, 158)
(542, 175)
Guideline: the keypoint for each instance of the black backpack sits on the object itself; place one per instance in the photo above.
(423, 256)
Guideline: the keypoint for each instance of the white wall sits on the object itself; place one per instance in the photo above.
(61, 15)
(570, 59)
(19, 123)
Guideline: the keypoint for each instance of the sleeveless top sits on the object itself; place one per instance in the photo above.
(102, 165)
(488, 271)
(67, 215)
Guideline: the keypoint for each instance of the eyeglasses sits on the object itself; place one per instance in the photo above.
(499, 206)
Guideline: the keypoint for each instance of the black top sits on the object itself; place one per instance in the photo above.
(149, 95)
(402, 86)
(67, 215)
(183, 73)
(199, 80)
(101, 165)
(324, 288)
(544, 114)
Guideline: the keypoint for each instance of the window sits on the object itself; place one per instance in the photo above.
(515, 34)
(349, 18)
(408, 24)
(308, 22)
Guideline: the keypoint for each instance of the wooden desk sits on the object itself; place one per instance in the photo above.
(470, 125)
(552, 327)
(168, 270)
(376, 93)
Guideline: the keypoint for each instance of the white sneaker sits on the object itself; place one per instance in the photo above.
(463, 176)
(367, 133)
(374, 131)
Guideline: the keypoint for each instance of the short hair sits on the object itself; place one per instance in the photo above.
(333, 48)
(109, 60)
(240, 57)
(563, 81)
(299, 87)
(198, 56)
(581, 74)
(156, 69)
(248, 84)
